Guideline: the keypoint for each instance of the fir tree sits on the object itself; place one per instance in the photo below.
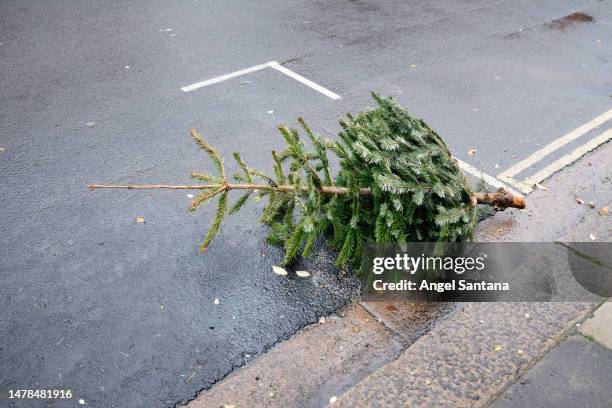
(397, 183)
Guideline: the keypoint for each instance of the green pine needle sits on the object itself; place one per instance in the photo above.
(240, 203)
(418, 193)
(245, 171)
(208, 149)
(216, 225)
(205, 197)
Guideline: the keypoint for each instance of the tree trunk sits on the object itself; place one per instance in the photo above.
(500, 199)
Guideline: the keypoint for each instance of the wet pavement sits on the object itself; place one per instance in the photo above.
(326, 359)
(123, 312)
(317, 363)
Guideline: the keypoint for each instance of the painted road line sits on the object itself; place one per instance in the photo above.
(272, 64)
(222, 78)
(524, 188)
(305, 81)
(562, 141)
(567, 159)
(490, 180)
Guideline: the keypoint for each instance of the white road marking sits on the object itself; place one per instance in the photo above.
(272, 64)
(567, 159)
(490, 180)
(562, 141)
(222, 78)
(524, 188)
(305, 81)
(527, 185)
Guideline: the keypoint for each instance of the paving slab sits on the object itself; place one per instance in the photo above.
(577, 373)
(599, 327)
(467, 360)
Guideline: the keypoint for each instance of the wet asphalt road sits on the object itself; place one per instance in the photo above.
(122, 312)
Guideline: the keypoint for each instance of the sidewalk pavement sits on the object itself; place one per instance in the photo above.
(576, 373)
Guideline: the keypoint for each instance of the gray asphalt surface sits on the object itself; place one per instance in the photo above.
(83, 285)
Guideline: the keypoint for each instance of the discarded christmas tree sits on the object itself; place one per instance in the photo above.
(397, 183)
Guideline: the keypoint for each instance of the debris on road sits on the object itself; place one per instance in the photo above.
(302, 274)
(91, 124)
(603, 211)
(279, 271)
(140, 220)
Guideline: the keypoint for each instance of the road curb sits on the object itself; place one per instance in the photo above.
(315, 364)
